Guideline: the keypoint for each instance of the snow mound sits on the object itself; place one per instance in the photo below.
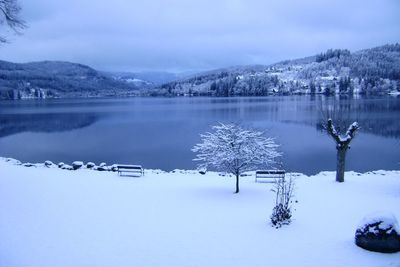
(385, 220)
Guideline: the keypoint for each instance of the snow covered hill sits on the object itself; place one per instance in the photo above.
(53, 217)
(370, 71)
(48, 79)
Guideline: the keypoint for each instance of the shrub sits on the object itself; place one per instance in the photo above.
(282, 212)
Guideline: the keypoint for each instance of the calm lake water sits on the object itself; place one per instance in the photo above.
(159, 132)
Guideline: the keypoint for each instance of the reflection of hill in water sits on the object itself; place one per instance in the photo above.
(385, 128)
(54, 122)
(378, 116)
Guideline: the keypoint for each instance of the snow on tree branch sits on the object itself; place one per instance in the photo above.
(342, 140)
(342, 145)
(332, 131)
(9, 15)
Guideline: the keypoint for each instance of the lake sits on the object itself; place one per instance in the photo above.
(160, 132)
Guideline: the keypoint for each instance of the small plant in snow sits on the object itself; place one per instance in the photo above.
(233, 149)
(282, 213)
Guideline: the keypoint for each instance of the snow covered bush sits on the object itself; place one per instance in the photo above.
(231, 148)
(282, 213)
(379, 232)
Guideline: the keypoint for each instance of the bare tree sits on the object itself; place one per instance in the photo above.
(235, 150)
(342, 145)
(9, 16)
(336, 118)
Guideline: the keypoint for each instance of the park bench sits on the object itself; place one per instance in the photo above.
(130, 170)
(270, 174)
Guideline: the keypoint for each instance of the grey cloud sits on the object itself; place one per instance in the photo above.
(181, 35)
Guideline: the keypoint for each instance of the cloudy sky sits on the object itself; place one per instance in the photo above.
(193, 35)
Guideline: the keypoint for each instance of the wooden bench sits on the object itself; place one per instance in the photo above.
(270, 174)
(130, 170)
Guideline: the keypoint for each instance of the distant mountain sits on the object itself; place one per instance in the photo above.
(369, 71)
(148, 79)
(57, 79)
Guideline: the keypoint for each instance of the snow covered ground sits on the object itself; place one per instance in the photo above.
(53, 217)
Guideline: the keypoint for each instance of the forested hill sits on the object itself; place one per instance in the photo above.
(57, 79)
(369, 71)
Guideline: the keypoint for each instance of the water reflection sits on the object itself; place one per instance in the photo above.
(51, 122)
(377, 116)
(159, 132)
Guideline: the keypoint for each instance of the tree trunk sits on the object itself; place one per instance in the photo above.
(341, 160)
(342, 144)
(237, 183)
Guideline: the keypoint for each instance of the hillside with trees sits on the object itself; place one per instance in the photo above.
(369, 71)
(49, 79)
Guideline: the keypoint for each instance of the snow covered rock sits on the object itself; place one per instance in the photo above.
(90, 165)
(60, 164)
(48, 163)
(102, 167)
(114, 167)
(28, 164)
(13, 161)
(67, 167)
(379, 232)
(77, 165)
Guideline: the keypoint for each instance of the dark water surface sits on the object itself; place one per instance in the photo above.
(159, 132)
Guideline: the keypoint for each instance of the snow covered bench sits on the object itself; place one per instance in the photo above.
(270, 174)
(130, 170)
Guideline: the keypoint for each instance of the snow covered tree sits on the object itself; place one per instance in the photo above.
(342, 145)
(235, 150)
(9, 15)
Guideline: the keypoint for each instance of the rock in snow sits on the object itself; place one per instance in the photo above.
(66, 167)
(102, 167)
(379, 232)
(13, 161)
(28, 164)
(77, 165)
(90, 165)
(48, 163)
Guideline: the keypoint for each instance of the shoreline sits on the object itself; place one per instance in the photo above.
(102, 167)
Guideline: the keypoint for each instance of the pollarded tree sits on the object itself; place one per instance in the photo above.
(9, 16)
(342, 145)
(337, 115)
(235, 150)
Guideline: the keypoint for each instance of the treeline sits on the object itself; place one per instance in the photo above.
(332, 53)
(370, 71)
(56, 79)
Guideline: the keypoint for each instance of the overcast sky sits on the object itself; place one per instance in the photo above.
(192, 35)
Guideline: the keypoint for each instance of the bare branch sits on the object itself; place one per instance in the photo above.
(9, 15)
(353, 128)
(332, 131)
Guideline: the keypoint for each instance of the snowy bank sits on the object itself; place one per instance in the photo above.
(54, 217)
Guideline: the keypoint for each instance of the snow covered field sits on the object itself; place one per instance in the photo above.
(52, 217)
